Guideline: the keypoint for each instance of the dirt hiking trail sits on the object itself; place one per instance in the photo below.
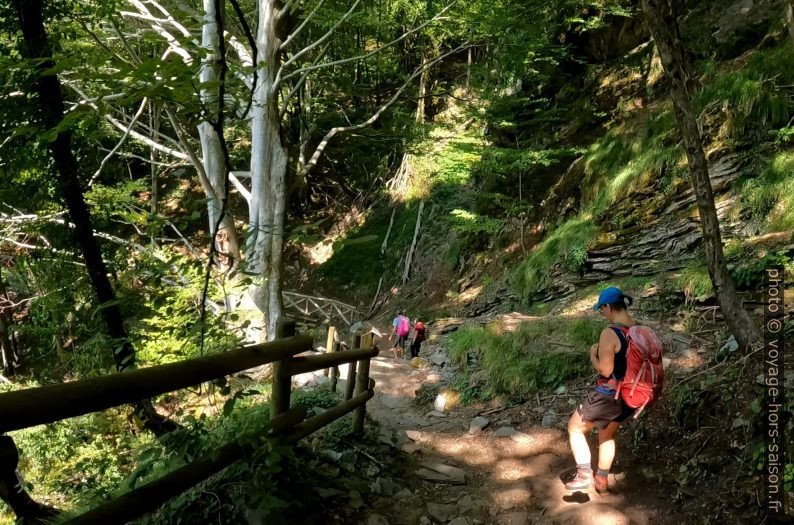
(508, 473)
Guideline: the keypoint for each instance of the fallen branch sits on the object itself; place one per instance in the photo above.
(386, 239)
(410, 254)
(369, 457)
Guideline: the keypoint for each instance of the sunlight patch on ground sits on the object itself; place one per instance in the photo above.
(476, 451)
(324, 250)
(583, 306)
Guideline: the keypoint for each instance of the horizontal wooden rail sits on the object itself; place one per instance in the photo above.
(320, 420)
(36, 406)
(152, 495)
(147, 498)
(310, 363)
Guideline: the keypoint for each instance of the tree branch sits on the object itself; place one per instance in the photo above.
(371, 53)
(120, 143)
(146, 140)
(297, 31)
(293, 58)
(240, 188)
(333, 131)
(191, 155)
(300, 82)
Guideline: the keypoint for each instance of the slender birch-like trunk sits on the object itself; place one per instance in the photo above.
(211, 151)
(268, 171)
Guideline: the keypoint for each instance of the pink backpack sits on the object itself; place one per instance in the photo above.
(644, 378)
(404, 327)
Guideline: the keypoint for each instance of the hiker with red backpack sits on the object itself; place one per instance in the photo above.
(420, 334)
(628, 360)
(401, 327)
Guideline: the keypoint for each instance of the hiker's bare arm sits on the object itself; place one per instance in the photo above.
(604, 357)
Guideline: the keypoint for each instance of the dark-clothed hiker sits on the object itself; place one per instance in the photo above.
(419, 337)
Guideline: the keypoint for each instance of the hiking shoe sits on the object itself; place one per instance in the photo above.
(601, 484)
(582, 481)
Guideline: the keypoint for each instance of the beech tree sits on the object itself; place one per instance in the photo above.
(272, 69)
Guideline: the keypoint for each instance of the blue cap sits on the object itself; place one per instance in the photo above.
(609, 296)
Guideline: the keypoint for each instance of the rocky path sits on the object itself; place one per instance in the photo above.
(509, 472)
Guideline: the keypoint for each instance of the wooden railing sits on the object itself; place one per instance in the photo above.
(35, 406)
(312, 307)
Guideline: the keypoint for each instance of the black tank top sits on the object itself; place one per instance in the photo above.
(619, 369)
(605, 385)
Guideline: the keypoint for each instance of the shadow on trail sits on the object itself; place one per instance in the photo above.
(511, 480)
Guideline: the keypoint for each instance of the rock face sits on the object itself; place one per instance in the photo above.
(549, 418)
(377, 519)
(654, 243)
(441, 513)
(446, 400)
(741, 24)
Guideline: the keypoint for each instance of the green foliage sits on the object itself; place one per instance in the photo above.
(566, 245)
(168, 327)
(614, 164)
(769, 198)
(79, 459)
(694, 281)
(452, 255)
(757, 95)
(749, 273)
(468, 223)
(318, 397)
(695, 403)
(468, 394)
(520, 363)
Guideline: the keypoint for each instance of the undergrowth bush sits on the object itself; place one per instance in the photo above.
(694, 281)
(756, 95)
(167, 328)
(528, 360)
(617, 162)
(769, 198)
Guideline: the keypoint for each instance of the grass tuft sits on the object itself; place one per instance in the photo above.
(695, 282)
(540, 355)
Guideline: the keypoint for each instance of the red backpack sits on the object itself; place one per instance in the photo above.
(644, 378)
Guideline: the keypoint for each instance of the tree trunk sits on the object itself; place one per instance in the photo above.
(48, 88)
(268, 172)
(211, 150)
(790, 19)
(8, 344)
(661, 20)
(420, 105)
(37, 47)
(7, 350)
(154, 122)
(468, 68)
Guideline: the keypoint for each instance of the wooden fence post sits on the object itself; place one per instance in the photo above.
(335, 369)
(351, 369)
(329, 344)
(282, 381)
(362, 385)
